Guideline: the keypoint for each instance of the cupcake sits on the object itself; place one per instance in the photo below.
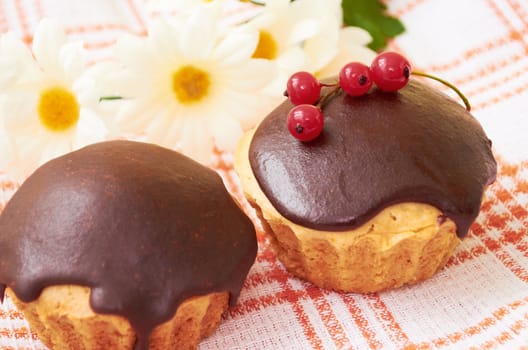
(380, 198)
(124, 245)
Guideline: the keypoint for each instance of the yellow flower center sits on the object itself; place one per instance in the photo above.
(266, 47)
(190, 84)
(58, 109)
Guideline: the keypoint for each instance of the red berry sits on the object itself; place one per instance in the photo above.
(390, 71)
(354, 79)
(303, 88)
(305, 122)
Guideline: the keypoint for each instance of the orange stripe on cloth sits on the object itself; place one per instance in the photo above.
(475, 330)
(101, 27)
(387, 320)
(408, 7)
(275, 273)
(500, 221)
(281, 276)
(517, 210)
(496, 247)
(517, 8)
(7, 185)
(514, 32)
(327, 315)
(136, 15)
(518, 326)
(501, 97)
(21, 15)
(287, 296)
(466, 255)
(308, 330)
(513, 76)
(4, 25)
(473, 52)
(38, 9)
(18, 333)
(12, 314)
(508, 196)
(514, 173)
(361, 322)
(99, 45)
(262, 302)
(489, 69)
(503, 338)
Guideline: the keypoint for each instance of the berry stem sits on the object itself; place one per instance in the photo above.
(322, 101)
(448, 84)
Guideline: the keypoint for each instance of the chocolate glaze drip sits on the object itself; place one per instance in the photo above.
(416, 145)
(144, 227)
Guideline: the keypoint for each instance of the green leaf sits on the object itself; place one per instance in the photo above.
(370, 15)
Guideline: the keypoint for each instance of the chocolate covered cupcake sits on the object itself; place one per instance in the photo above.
(380, 198)
(124, 245)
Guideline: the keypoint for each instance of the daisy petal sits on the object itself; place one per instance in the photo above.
(160, 130)
(291, 61)
(6, 149)
(90, 129)
(305, 29)
(250, 75)
(349, 50)
(71, 58)
(355, 36)
(250, 109)
(15, 59)
(18, 111)
(277, 5)
(196, 143)
(322, 47)
(238, 45)
(133, 51)
(198, 37)
(55, 147)
(164, 37)
(134, 115)
(47, 43)
(226, 132)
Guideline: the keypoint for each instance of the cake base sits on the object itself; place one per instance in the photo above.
(63, 319)
(403, 244)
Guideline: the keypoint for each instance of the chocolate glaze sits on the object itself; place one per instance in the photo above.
(415, 145)
(144, 227)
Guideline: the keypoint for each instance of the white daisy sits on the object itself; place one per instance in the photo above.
(351, 47)
(287, 28)
(41, 110)
(189, 86)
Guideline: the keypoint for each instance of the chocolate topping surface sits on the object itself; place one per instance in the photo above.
(144, 227)
(415, 145)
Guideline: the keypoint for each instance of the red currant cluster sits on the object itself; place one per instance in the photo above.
(389, 71)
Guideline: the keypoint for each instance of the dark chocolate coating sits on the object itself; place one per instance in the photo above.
(143, 226)
(414, 145)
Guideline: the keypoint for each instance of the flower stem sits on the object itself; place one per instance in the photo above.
(254, 2)
(110, 98)
(448, 84)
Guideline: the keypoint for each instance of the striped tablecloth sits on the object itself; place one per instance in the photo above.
(479, 300)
